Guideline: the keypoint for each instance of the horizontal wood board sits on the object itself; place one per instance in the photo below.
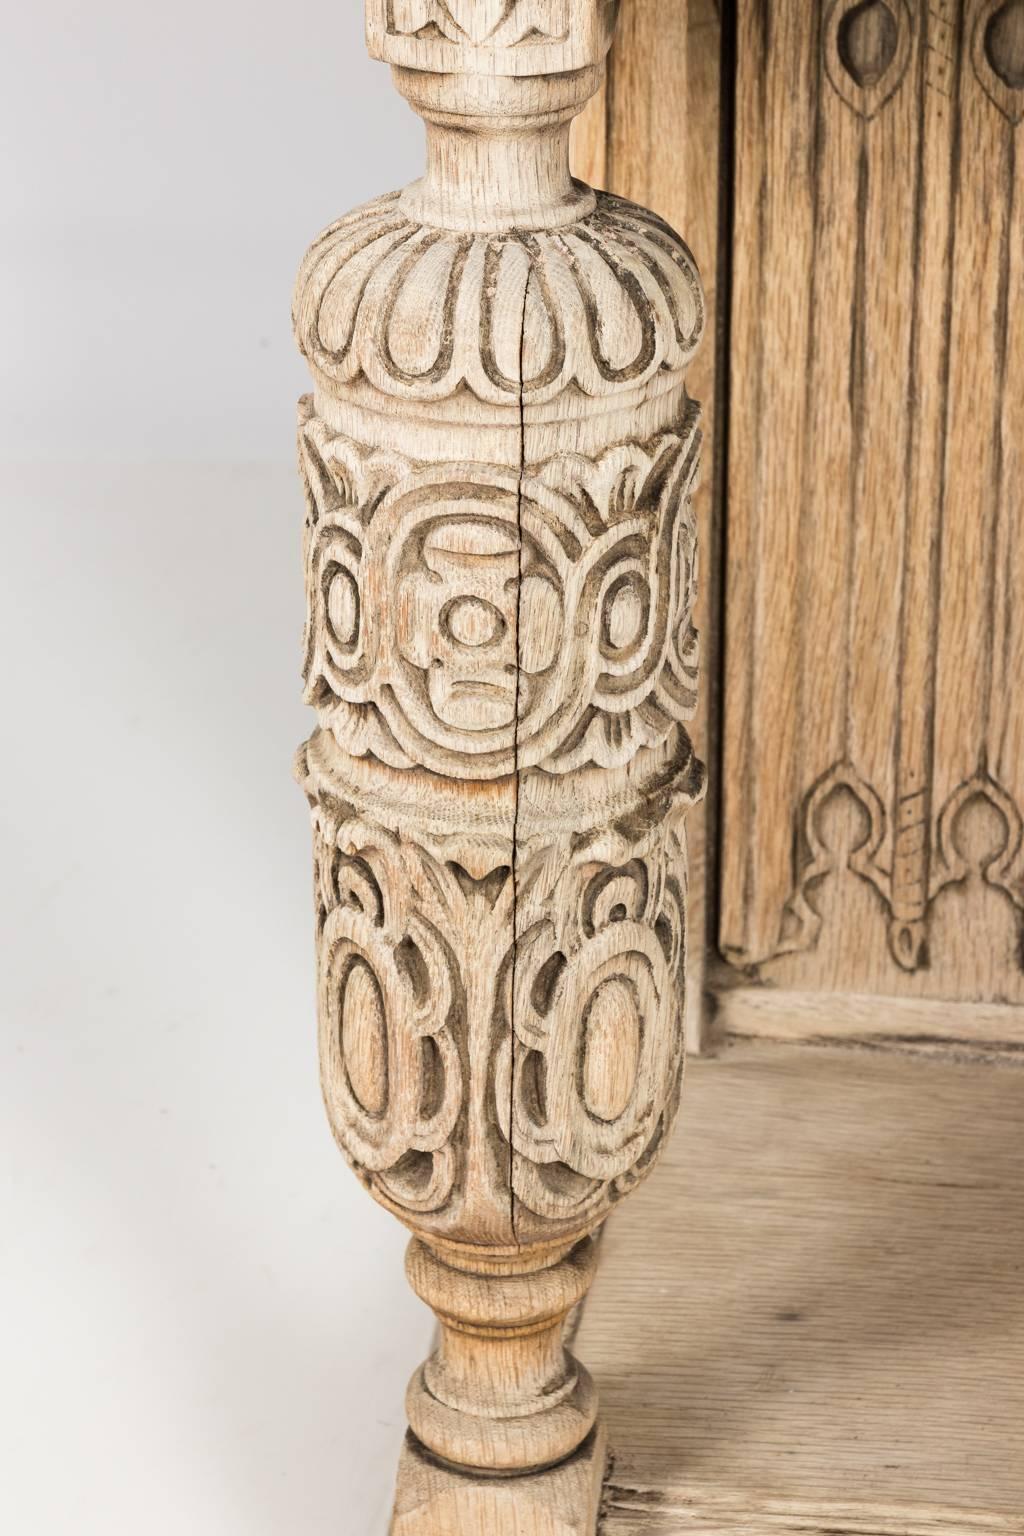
(811, 1319)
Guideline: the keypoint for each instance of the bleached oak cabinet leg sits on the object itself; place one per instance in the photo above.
(499, 459)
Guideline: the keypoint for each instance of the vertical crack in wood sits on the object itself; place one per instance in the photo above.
(752, 723)
(609, 104)
(515, 760)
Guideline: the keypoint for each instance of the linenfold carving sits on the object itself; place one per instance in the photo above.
(872, 736)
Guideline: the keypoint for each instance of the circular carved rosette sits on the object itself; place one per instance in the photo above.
(471, 622)
(390, 1067)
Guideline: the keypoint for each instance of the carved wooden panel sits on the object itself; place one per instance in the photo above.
(873, 774)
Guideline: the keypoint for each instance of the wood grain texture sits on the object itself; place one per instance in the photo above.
(873, 733)
(811, 1319)
(971, 1031)
(499, 460)
(652, 135)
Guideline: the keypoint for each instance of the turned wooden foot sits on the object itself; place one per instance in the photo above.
(499, 461)
(501, 1392)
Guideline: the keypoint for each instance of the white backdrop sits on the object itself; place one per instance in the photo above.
(206, 1326)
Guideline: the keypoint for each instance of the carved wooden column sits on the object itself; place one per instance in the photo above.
(499, 460)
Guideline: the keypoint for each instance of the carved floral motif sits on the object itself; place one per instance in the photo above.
(508, 36)
(606, 303)
(498, 23)
(567, 1046)
(391, 1072)
(469, 620)
(588, 1076)
(500, 555)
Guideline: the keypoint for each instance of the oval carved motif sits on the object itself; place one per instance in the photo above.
(1004, 44)
(867, 45)
(625, 613)
(610, 1049)
(364, 1038)
(343, 606)
(867, 41)
(473, 622)
(997, 53)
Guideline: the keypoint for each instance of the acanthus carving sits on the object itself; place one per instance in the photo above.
(609, 301)
(513, 36)
(498, 23)
(470, 620)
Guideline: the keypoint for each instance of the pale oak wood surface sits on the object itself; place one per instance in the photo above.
(811, 1319)
(652, 135)
(499, 460)
(970, 1031)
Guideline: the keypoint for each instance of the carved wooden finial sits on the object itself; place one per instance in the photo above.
(499, 461)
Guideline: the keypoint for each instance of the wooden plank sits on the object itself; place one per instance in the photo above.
(652, 135)
(701, 188)
(811, 1319)
(589, 141)
(648, 129)
(774, 253)
(973, 1030)
(925, 493)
